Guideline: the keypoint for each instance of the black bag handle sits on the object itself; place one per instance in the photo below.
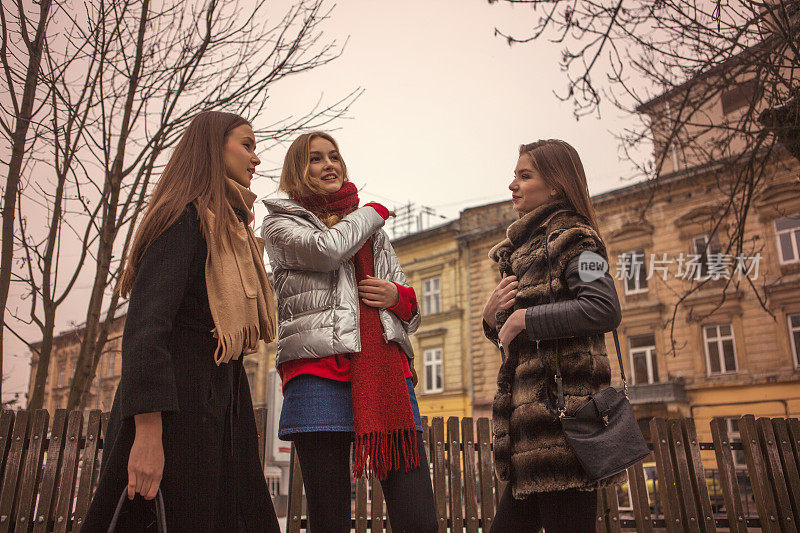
(561, 402)
(161, 514)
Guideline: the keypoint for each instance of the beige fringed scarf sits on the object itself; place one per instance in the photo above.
(240, 295)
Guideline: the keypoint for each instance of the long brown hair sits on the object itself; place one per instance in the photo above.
(560, 167)
(194, 173)
(295, 179)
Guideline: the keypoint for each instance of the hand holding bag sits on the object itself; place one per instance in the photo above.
(161, 514)
(603, 432)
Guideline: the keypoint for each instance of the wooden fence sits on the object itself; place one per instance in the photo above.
(48, 470)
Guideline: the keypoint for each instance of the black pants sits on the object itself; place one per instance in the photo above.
(568, 511)
(325, 463)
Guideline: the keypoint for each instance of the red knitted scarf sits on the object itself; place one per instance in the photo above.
(382, 415)
(340, 203)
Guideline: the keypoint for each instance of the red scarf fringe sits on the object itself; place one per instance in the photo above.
(379, 452)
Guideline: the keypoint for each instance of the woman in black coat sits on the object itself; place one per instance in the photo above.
(182, 418)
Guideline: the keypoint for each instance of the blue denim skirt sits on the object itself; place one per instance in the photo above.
(312, 403)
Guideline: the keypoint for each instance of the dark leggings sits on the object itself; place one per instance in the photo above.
(325, 463)
(568, 511)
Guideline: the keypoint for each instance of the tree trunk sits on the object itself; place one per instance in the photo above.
(19, 137)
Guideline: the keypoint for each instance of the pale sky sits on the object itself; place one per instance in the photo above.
(445, 106)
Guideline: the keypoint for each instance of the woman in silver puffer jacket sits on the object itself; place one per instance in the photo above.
(345, 312)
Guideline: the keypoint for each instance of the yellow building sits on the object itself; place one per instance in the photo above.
(432, 262)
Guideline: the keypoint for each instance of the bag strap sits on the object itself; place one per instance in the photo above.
(161, 514)
(561, 402)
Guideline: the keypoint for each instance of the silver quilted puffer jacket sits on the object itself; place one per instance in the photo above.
(316, 283)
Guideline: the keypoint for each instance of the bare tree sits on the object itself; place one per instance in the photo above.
(671, 63)
(23, 40)
(146, 69)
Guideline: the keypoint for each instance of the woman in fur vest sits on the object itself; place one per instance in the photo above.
(546, 484)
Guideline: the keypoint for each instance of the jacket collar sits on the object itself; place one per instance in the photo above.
(287, 206)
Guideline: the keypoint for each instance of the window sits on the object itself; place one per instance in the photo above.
(703, 249)
(633, 271)
(720, 350)
(787, 230)
(794, 335)
(735, 437)
(433, 370)
(643, 359)
(431, 296)
(62, 373)
(111, 359)
(739, 96)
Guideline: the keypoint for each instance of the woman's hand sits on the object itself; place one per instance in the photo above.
(146, 460)
(501, 299)
(376, 292)
(513, 327)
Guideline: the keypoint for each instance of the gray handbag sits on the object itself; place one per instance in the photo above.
(603, 433)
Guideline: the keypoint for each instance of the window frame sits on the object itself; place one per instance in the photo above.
(429, 295)
(650, 358)
(791, 231)
(640, 279)
(719, 338)
(436, 362)
(794, 345)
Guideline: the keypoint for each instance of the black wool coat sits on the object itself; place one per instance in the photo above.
(212, 480)
(530, 449)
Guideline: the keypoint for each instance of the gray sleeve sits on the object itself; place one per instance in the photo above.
(296, 247)
(593, 309)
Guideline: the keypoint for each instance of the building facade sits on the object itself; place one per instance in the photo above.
(433, 265)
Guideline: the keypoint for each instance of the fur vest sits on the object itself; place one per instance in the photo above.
(530, 448)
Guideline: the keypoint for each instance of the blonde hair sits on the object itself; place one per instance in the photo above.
(295, 178)
(560, 166)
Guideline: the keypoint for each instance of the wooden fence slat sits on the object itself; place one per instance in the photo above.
(698, 473)
(685, 485)
(361, 504)
(439, 472)
(667, 488)
(601, 523)
(295, 503)
(32, 469)
(790, 467)
(47, 488)
(13, 469)
(612, 509)
(775, 473)
(6, 423)
(88, 467)
(454, 473)
(376, 506)
(757, 472)
(69, 470)
(485, 473)
(261, 430)
(470, 478)
(639, 499)
(727, 476)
